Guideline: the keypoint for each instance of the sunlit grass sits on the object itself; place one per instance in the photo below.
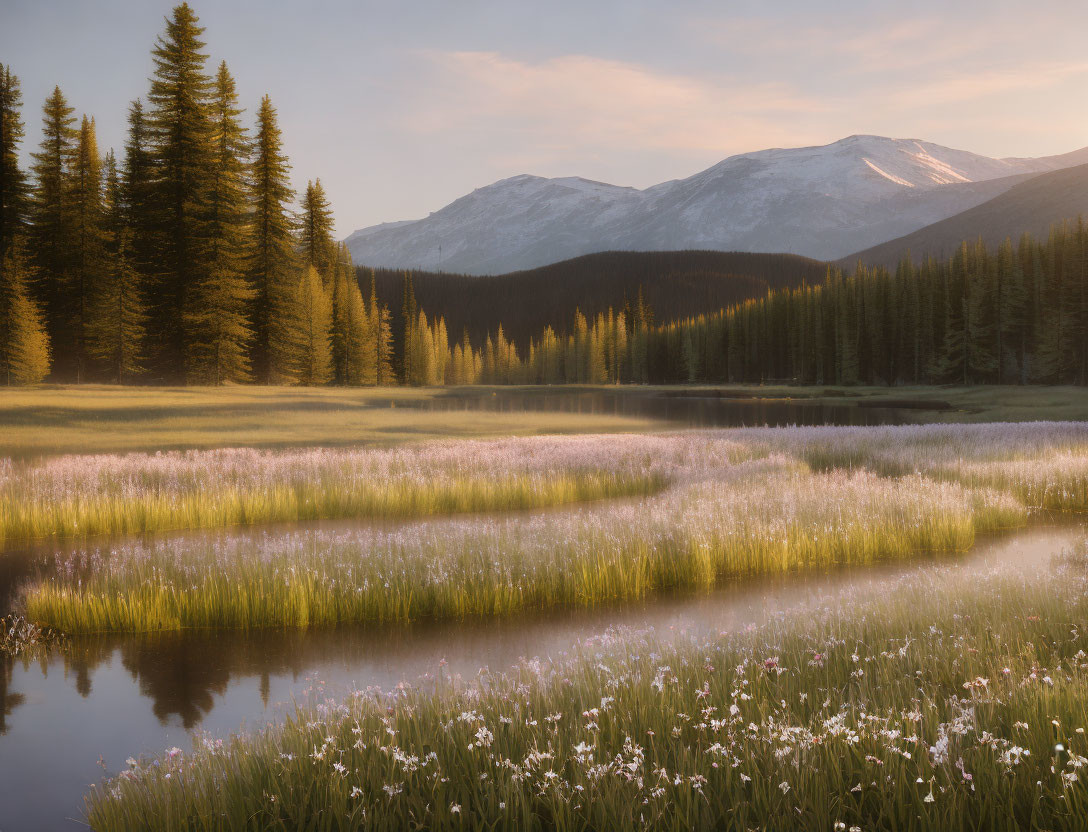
(1044, 465)
(72, 496)
(762, 517)
(944, 700)
(83, 419)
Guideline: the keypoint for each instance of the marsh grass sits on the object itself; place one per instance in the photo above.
(759, 517)
(78, 496)
(944, 700)
(1044, 465)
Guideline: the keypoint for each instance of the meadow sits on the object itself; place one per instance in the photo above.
(87, 418)
(86, 495)
(706, 506)
(950, 699)
(758, 517)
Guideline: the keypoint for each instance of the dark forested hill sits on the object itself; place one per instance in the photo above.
(675, 283)
(1031, 206)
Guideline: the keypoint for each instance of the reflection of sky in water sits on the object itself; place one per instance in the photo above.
(121, 697)
(690, 408)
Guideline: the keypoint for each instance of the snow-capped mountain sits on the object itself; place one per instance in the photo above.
(823, 202)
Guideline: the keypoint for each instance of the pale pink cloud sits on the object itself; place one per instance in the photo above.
(585, 101)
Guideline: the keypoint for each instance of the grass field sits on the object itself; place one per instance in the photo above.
(107, 419)
(86, 495)
(764, 517)
(740, 502)
(947, 700)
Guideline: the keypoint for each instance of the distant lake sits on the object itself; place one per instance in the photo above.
(693, 408)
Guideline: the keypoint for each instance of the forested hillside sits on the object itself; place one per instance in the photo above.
(1016, 313)
(674, 284)
(1031, 206)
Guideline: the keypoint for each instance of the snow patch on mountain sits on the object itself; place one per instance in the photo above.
(822, 202)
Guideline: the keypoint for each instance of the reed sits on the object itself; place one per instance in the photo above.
(942, 700)
(76, 496)
(758, 517)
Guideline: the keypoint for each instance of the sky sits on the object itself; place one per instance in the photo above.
(401, 106)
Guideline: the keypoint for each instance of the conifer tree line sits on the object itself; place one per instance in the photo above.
(1014, 315)
(178, 259)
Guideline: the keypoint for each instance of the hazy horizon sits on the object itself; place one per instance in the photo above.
(400, 110)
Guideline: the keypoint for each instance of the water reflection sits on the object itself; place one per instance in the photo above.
(123, 696)
(117, 696)
(9, 699)
(692, 408)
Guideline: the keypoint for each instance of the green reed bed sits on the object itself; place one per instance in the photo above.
(943, 700)
(760, 517)
(120, 494)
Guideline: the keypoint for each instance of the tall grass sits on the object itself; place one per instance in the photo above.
(1044, 465)
(946, 700)
(122, 494)
(751, 518)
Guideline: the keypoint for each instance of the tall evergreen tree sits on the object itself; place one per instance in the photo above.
(179, 129)
(13, 188)
(217, 329)
(49, 239)
(271, 252)
(409, 312)
(310, 326)
(315, 231)
(88, 247)
(352, 332)
(24, 345)
(382, 340)
(137, 189)
(117, 327)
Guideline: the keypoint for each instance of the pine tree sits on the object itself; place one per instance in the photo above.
(318, 249)
(49, 238)
(271, 262)
(442, 354)
(309, 327)
(88, 248)
(179, 129)
(217, 329)
(114, 210)
(13, 189)
(118, 320)
(353, 353)
(118, 312)
(409, 311)
(1013, 324)
(383, 347)
(382, 341)
(24, 345)
(137, 190)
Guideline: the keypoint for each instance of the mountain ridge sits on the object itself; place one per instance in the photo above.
(821, 201)
(1032, 206)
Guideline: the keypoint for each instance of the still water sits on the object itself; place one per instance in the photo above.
(70, 718)
(693, 408)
